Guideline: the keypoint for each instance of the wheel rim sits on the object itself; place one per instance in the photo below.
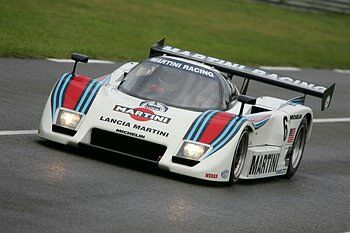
(298, 147)
(240, 153)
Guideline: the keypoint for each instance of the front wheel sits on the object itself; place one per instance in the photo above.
(297, 150)
(239, 157)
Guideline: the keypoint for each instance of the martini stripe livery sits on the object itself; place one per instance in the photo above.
(76, 92)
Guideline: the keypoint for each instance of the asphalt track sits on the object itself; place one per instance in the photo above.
(45, 187)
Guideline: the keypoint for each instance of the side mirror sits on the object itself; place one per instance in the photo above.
(123, 80)
(78, 58)
(245, 99)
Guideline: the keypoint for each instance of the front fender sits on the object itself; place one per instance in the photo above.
(71, 91)
(220, 131)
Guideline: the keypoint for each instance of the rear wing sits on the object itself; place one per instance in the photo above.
(249, 73)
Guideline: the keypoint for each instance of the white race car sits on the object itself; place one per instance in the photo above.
(182, 111)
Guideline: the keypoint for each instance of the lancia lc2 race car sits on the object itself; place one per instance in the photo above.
(182, 111)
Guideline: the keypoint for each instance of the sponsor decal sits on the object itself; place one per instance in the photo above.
(211, 175)
(142, 114)
(281, 171)
(115, 121)
(224, 174)
(251, 70)
(129, 133)
(151, 130)
(183, 66)
(133, 126)
(154, 105)
(291, 135)
(265, 163)
(295, 117)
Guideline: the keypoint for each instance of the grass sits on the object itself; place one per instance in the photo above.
(243, 31)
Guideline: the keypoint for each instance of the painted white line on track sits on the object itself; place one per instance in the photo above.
(332, 120)
(23, 132)
(342, 71)
(279, 68)
(71, 61)
(17, 132)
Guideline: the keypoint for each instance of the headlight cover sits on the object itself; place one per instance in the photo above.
(192, 150)
(68, 118)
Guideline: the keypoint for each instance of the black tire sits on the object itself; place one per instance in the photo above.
(239, 157)
(296, 154)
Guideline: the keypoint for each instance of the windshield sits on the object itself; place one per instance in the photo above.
(175, 83)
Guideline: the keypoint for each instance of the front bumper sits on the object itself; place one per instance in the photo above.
(213, 168)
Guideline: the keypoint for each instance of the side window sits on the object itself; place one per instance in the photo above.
(233, 93)
(230, 94)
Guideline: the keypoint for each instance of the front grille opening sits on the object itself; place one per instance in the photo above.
(128, 145)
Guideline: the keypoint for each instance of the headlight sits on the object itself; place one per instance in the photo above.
(68, 119)
(192, 150)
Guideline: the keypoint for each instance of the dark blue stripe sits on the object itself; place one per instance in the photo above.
(257, 126)
(63, 88)
(56, 91)
(86, 94)
(225, 131)
(223, 142)
(87, 107)
(91, 97)
(81, 95)
(204, 125)
(195, 125)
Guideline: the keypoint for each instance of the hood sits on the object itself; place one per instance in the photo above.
(164, 124)
(151, 120)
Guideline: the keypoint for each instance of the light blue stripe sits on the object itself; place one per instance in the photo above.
(90, 97)
(228, 128)
(61, 92)
(203, 125)
(196, 125)
(228, 137)
(106, 80)
(85, 94)
(260, 124)
(55, 94)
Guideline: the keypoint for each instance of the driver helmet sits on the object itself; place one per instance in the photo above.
(168, 83)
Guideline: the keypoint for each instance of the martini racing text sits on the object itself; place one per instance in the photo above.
(180, 65)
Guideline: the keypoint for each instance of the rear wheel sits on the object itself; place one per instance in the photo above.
(239, 157)
(297, 150)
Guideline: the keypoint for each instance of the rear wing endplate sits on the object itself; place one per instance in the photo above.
(249, 73)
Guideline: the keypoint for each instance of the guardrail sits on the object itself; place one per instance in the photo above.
(336, 6)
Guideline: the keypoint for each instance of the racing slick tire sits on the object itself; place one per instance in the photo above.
(239, 157)
(297, 151)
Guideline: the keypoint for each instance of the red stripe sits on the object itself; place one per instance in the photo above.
(215, 127)
(74, 90)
